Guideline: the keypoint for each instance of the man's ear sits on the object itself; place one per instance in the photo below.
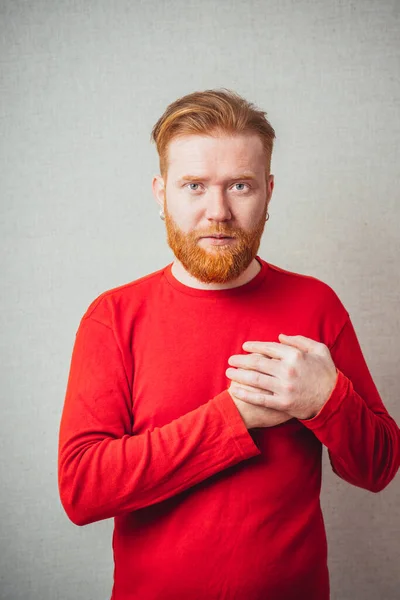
(158, 190)
(270, 186)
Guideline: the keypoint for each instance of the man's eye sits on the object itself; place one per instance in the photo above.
(195, 189)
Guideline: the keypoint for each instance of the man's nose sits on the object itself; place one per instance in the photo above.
(217, 207)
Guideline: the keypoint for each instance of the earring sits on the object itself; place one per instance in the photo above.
(267, 216)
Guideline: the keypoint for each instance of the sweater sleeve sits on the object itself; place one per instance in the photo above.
(362, 439)
(104, 470)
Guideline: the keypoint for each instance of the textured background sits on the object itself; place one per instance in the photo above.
(82, 84)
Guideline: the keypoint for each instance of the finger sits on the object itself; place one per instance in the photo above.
(271, 349)
(238, 387)
(257, 397)
(275, 350)
(256, 362)
(299, 341)
(258, 380)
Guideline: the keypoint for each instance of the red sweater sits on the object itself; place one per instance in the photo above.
(205, 509)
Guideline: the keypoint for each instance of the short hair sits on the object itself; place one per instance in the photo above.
(207, 113)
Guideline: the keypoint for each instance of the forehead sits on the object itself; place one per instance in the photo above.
(196, 154)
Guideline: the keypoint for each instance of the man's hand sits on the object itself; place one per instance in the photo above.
(295, 376)
(258, 416)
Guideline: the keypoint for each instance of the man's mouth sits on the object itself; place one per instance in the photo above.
(219, 236)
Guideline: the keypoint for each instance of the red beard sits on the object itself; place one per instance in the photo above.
(217, 264)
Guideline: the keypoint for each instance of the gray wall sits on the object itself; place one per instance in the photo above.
(82, 84)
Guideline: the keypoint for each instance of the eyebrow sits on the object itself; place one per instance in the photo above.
(247, 176)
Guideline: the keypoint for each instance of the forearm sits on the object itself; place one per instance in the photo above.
(363, 445)
(363, 440)
(101, 477)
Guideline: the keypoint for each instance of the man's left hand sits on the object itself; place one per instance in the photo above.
(296, 375)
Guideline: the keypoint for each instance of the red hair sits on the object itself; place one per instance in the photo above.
(207, 113)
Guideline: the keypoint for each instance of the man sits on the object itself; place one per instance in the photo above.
(199, 396)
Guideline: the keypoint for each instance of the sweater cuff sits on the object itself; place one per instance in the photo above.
(241, 435)
(333, 403)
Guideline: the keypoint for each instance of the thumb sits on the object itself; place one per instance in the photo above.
(298, 341)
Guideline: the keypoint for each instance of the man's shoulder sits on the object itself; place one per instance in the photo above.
(299, 281)
(114, 300)
(308, 294)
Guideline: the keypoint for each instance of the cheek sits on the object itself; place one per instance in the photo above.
(178, 209)
(186, 219)
(249, 214)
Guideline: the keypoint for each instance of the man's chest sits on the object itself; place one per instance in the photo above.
(180, 357)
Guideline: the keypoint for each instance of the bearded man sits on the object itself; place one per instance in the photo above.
(200, 395)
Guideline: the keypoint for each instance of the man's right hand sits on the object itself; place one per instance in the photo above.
(257, 416)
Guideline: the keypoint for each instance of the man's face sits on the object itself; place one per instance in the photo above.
(215, 186)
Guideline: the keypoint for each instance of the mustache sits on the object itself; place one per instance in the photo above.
(222, 232)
